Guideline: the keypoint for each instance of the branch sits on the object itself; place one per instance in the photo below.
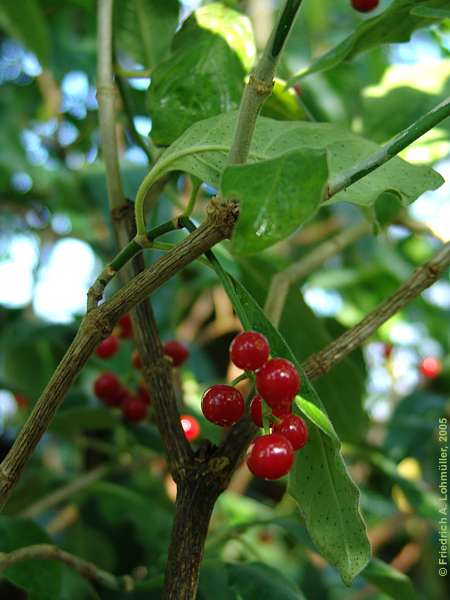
(321, 362)
(86, 569)
(106, 97)
(390, 149)
(260, 83)
(156, 369)
(282, 281)
(98, 324)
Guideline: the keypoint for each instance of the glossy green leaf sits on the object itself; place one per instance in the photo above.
(254, 581)
(327, 497)
(388, 580)
(316, 416)
(25, 21)
(202, 151)
(276, 196)
(394, 25)
(342, 390)
(40, 578)
(205, 73)
(145, 29)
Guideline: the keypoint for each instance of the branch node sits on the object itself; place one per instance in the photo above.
(119, 213)
(262, 88)
(223, 214)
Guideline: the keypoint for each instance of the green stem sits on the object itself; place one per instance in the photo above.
(260, 83)
(390, 149)
(196, 185)
(161, 167)
(133, 248)
(142, 74)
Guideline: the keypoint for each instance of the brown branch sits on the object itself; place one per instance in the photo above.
(282, 281)
(97, 325)
(86, 569)
(321, 362)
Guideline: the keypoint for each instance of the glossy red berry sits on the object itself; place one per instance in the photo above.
(106, 385)
(176, 351)
(249, 350)
(136, 360)
(277, 381)
(223, 405)
(134, 409)
(116, 398)
(191, 427)
(430, 367)
(294, 429)
(108, 347)
(270, 456)
(256, 410)
(124, 326)
(365, 5)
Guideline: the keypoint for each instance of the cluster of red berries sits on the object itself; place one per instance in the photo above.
(277, 382)
(365, 6)
(134, 406)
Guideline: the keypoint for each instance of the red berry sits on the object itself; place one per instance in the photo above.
(136, 360)
(256, 410)
(125, 327)
(249, 350)
(277, 381)
(294, 429)
(430, 367)
(108, 347)
(143, 395)
(191, 427)
(223, 405)
(21, 401)
(116, 398)
(176, 351)
(270, 456)
(106, 385)
(134, 409)
(298, 89)
(365, 5)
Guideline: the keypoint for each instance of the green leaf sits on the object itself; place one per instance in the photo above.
(388, 580)
(24, 20)
(202, 151)
(74, 420)
(205, 73)
(306, 334)
(40, 578)
(145, 28)
(316, 416)
(394, 25)
(254, 581)
(276, 196)
(327, 497)
(427, 12)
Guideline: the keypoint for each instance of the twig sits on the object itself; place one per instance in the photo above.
(282, 281)
(390, 149)
(321, 362)
(138, 139)
(260, 83)
(66, 491)
(86, 569)
(156, 369)
(106, 96)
